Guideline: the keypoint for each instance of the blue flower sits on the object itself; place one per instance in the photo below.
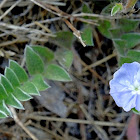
(125, 86)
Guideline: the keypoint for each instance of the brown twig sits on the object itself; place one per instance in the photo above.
(14, 5)
(100, 61)
(21, 124)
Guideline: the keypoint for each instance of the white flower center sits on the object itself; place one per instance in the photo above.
(135, 87)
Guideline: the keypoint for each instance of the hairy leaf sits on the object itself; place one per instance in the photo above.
(117, 8)
(63, 39)
(11, 76)
(45, 53)
(3, 114)
(87, 36)
(128, 25)
(132, 39)
(13, 101)
(21, 95)
(104, 28)
(55, 72)
(39, 82)
(120, 45)
(7, 85)
(5, 109)
(30, 88)
(3, 93)
(34, 63)
(65, 58)
(134, 55)
(19, 71)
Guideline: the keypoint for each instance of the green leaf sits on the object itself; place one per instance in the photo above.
(55, 72)
(115, 32)
(117, 8)
(86, 8)
(45, 53)
(3, 114)
(135, 111)
(107, 10)
(11, 76)
(3, 93)
(87, 36)
(19, 71)
(34, 63)
(13, 101)
(132, 39)
(65, 58)
(5, 109)
(30, 88)
(128, 25)
(104, 27)
(134, 55)
(120, 45)
(63, 39)
(7, 85)
(39, 82)
(125, 60)
(21, 95)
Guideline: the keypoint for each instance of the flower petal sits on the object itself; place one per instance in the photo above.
(138, 103)
(126, 100)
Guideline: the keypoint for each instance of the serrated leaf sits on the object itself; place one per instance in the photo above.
(87, 36)
(30, 88)
(21, 95)
(132, 39)
(7, 85)
(45, 53)
(3, 114)
(134, 55)
(19, 71)
(55, 72)
(104, 28)
(65, 58)
(11, 76)
(5, 109)
(117, 8)
(3, 93)
(34, 63)
(63, 39)
(39, 82)
(13, 101)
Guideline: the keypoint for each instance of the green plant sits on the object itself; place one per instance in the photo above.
(16, 85)
(125, 39)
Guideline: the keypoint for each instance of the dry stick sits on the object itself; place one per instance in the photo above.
(7, 11)
(21, 124)
(43, 27)
(75, 32)
(93, 71)
(41, 4)
(60, 13)
(43, 21)
(80, 100)
(2, 3)
(100, 123)
(14, 27)
(100, 61)
(100, 132)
